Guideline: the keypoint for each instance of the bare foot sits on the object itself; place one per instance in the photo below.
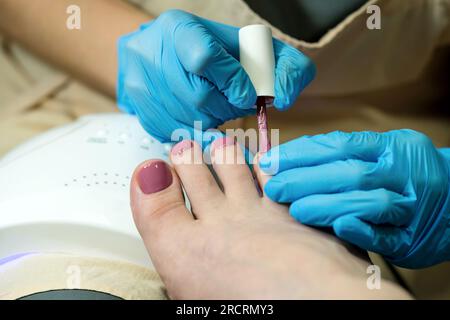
(239, 245)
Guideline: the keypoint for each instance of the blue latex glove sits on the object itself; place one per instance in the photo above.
(384, 192)
(180, 68)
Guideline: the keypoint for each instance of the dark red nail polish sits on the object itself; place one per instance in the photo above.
(154, 177)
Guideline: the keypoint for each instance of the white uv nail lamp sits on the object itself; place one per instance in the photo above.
(67, 190)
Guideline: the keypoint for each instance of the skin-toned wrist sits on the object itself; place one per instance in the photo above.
(88, 53)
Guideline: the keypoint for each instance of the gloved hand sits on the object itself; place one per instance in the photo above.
(181, 68)
(384, 192)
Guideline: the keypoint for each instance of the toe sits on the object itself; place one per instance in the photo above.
(199, 184)
(230, 166)
(262, 179)
(158, 206)
(261, 176)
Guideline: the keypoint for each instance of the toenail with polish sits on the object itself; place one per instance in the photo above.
(181, 147)
(154, 177)
(222, 142)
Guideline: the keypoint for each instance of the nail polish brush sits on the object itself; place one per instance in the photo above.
(258, 60)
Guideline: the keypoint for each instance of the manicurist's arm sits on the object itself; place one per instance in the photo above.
(90, 53)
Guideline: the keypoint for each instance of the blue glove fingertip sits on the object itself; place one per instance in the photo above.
(270, 162)
(294, 73)
(264, 161)
(273, 189)
(302, 211)
(351, 229)
(281, 104)
(295, 212)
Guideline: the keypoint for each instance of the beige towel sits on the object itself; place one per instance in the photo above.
(42, 272)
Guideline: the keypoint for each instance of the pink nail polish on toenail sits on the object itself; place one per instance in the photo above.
(181, 147)
(154, 177)
(223, 142)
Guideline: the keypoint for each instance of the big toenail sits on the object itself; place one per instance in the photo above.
(181, 147)
(154, 177)
(222, 142)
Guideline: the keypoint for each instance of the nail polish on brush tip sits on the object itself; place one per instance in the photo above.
(263, 130)
(154, 177)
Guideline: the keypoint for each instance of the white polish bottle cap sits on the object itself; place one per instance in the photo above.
(257, 57)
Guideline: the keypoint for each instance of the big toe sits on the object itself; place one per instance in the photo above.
(159, 209)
